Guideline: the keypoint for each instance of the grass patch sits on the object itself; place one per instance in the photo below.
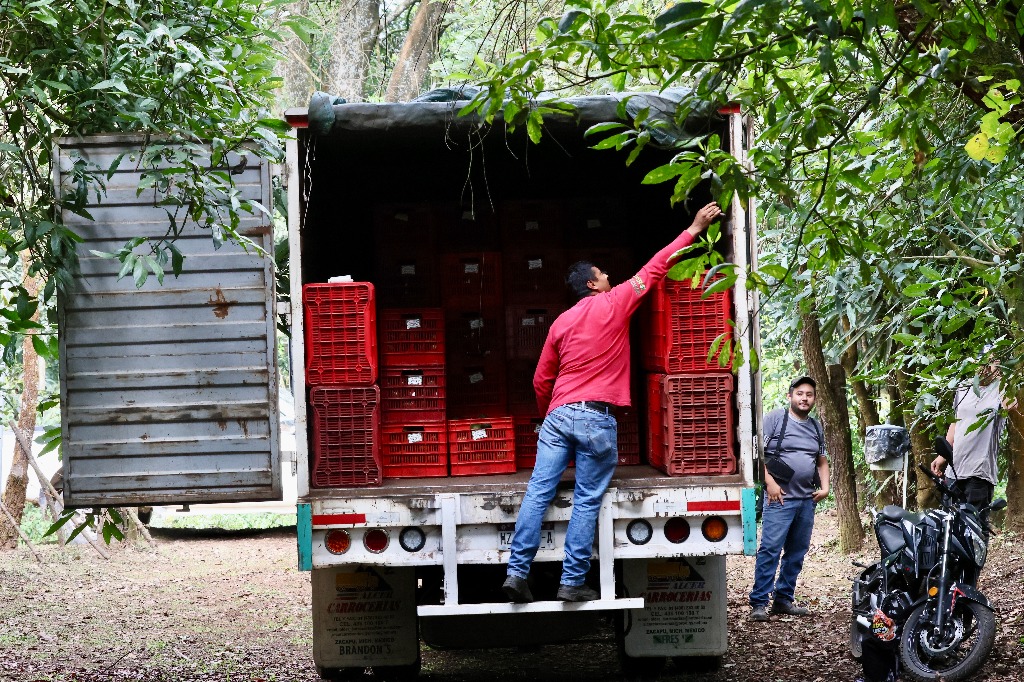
(35, 523)
(260, 521)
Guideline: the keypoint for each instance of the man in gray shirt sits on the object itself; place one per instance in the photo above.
(974, 470)
(796, 478)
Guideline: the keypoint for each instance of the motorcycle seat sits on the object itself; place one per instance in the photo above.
(896, 514)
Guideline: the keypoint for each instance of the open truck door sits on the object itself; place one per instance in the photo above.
(168, 392)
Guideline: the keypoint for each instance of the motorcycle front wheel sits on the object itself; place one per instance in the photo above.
(955, 655)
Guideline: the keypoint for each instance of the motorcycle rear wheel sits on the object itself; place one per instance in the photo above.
(924, 663)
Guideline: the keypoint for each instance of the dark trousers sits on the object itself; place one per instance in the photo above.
(977, 491)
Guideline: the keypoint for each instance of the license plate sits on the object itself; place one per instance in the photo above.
(507, 530)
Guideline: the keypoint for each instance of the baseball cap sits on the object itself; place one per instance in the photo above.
(803, 380)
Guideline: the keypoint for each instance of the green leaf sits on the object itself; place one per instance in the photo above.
(66, 516)
(663, 174)
(533, 128)
(604, 127)
(954, 323)
(905, 339)
(773, 270)
(40, 346)
(565, 24)
(977, 147)
(679, 12)
(916, 290)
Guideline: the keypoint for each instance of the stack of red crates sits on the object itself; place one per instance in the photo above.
(480, 446)
(413, 392)
(690, 412)
(341, 367)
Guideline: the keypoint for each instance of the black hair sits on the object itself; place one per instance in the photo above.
(577, 277)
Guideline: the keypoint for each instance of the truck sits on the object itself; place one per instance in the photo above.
(169, 393)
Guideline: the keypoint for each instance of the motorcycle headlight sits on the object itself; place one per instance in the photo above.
(979, 545)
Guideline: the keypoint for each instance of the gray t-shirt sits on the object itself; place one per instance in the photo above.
(974, 453)
(800, 450)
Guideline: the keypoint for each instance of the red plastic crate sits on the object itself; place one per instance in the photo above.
(522, 400)
(471, 279)
(476, 387)
(526, 328)
(407, 279)
(690, 421)
(346, 436)
(629, 436)
(527, 430)
(599, 220)
(532, 224)
(412, 395)
(413, 226)
(681, 328)
(414, 450)
(533, 275)
(341, 333)
(412, 337)
(474, 334)
(467, 226)
(481, 446)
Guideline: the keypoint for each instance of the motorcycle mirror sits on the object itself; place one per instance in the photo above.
(944, 449)
(997, 505)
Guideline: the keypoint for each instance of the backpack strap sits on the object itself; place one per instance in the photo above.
(821, 439)
(781, 434)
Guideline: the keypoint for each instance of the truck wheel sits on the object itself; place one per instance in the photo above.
(697, 664)
(635, 667)
(397, 673)
(340, 674)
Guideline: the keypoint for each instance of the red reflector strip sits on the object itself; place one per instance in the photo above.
(731, 108)
(710, 506)
(337, 519)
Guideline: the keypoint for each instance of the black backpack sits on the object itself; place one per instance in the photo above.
(782, 472)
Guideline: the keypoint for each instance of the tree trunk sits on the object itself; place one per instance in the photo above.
(355, 34)
(1015, 475)
(413, 63)
(837, 433)
(920, 448)
(17, 479)
(867, 415)
(295, 65)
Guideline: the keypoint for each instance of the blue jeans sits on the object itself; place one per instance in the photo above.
(786, 531)
(568, 432)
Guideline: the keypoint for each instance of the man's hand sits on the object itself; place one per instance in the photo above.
(939, 465)
(774, 491)
(819, 495)
(704, 217)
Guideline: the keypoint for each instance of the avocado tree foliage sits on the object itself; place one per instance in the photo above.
(192, 79)
(885, 164)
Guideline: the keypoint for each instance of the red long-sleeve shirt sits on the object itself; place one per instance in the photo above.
(586, 353)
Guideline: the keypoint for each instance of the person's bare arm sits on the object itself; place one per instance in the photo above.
(772, 489)
(824, 474)
(938, 466)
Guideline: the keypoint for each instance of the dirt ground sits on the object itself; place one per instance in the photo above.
(234, 607)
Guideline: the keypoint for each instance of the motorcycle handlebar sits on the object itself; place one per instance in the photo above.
(941, 484)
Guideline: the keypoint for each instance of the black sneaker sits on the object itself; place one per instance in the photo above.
(516, 589)
(758, 614)
(576, 593)
(788, 608)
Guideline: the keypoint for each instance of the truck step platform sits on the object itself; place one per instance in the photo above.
(533, 607)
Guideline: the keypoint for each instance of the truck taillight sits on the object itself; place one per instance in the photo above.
(376, 540)
(714, 528)
(337, 541)
(412, 539)
(639, 532)
(677, 529)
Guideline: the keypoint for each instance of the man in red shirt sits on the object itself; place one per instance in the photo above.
(582, 376)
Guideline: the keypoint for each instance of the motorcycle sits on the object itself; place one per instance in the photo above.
(922, 597)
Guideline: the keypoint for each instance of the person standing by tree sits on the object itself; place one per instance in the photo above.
(796, 479)
(974, 467)
(581, 378)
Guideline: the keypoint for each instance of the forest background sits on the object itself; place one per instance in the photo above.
(886, 165)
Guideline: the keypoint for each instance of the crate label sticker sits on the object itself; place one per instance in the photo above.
(471, 268)
(476, 323)
(536, 427)
(414, 380)
(593, 223)
(404, 217)
(479, 434)
(532, 226)
(476, 377)
(414, 437)
(413, 323)
(468, 215)
(529, 322)
(535, 263)
(408, 269)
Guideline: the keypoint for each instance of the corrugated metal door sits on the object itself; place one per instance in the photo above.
(168, 393)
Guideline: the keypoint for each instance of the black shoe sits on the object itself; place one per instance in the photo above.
(788, 608)
(577, 593)
(516, 589)
(758, 614)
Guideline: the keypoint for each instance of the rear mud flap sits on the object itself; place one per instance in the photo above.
(684, 610)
